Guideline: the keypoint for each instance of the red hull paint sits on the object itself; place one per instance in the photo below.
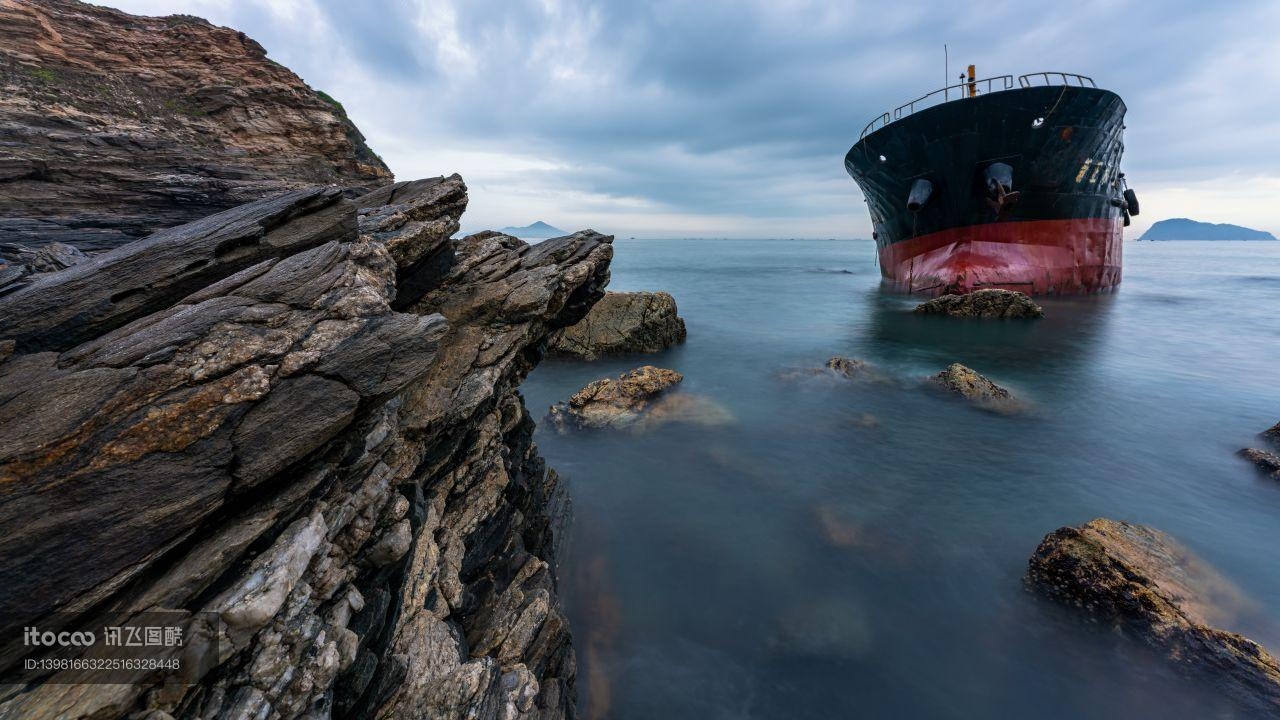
(1039, 257)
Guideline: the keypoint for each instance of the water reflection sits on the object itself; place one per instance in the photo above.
(1064, 339)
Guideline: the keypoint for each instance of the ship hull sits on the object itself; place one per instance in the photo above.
(1038, 257)
(1058, 230)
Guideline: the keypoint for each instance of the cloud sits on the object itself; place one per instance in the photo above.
(731, 117)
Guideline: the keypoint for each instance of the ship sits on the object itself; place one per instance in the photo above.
(998, 182)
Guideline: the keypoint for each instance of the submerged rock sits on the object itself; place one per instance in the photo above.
(1272, 434)
(986, 304)
(614, 403)
(683, 407)
(841, 367)
(975, 388)
(849, 367)
(1266, 461)
(1143, 581)
(865, 420)
(833, 627)
(621, 323)
(836, 529)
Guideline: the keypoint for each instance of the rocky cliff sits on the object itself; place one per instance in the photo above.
(296, 425)
(113, 126)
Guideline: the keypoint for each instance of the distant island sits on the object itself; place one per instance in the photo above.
(537, 230)
(1184, 229)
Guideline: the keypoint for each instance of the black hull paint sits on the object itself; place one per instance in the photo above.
(952, 144)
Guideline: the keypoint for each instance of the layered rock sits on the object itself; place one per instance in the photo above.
(977, 389)
(622, 323)
(46, 258)
(1144, 582)
(415, 220)
(306, 427)
(115, 126)
(990, 303)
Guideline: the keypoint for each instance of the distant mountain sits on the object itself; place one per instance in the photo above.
(1184, 229)
(536, 230)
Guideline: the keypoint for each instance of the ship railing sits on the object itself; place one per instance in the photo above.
(996, 83)
(875, 124)
(1055, 78)
(978, 87)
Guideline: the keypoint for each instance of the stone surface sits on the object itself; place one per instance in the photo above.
(977, 389)
(987, 304)
(17, 261)
(338, 467)
(1143, 581)
(115, 126)
(1272, 434)
(1265, 460)
(56, 311)
(686, 408)
(848, 367)
(44, 258)
(622, 323)
(415, 220)
(855, 369)
(614, 402)
(841, 367)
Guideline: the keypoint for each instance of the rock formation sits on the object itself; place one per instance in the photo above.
(621, 323)
(977, 389)
(1144, 582)
(46, 258)
(1266, 461)
(299, 418)
(638, 400)
(115, 126)
(1272, 435)
(986, 304)
(614, 403)
(838, 366)
(854, 369)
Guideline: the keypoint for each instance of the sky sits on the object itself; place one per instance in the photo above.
(711, 118)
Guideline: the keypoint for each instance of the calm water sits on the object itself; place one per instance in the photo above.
(808, 561)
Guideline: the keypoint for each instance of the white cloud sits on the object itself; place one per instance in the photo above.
(731, 117)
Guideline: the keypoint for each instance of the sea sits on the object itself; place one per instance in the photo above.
(827, 548)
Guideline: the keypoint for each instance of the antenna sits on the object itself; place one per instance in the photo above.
(946, 73)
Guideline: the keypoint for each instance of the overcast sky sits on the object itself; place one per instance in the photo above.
(717, 118)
